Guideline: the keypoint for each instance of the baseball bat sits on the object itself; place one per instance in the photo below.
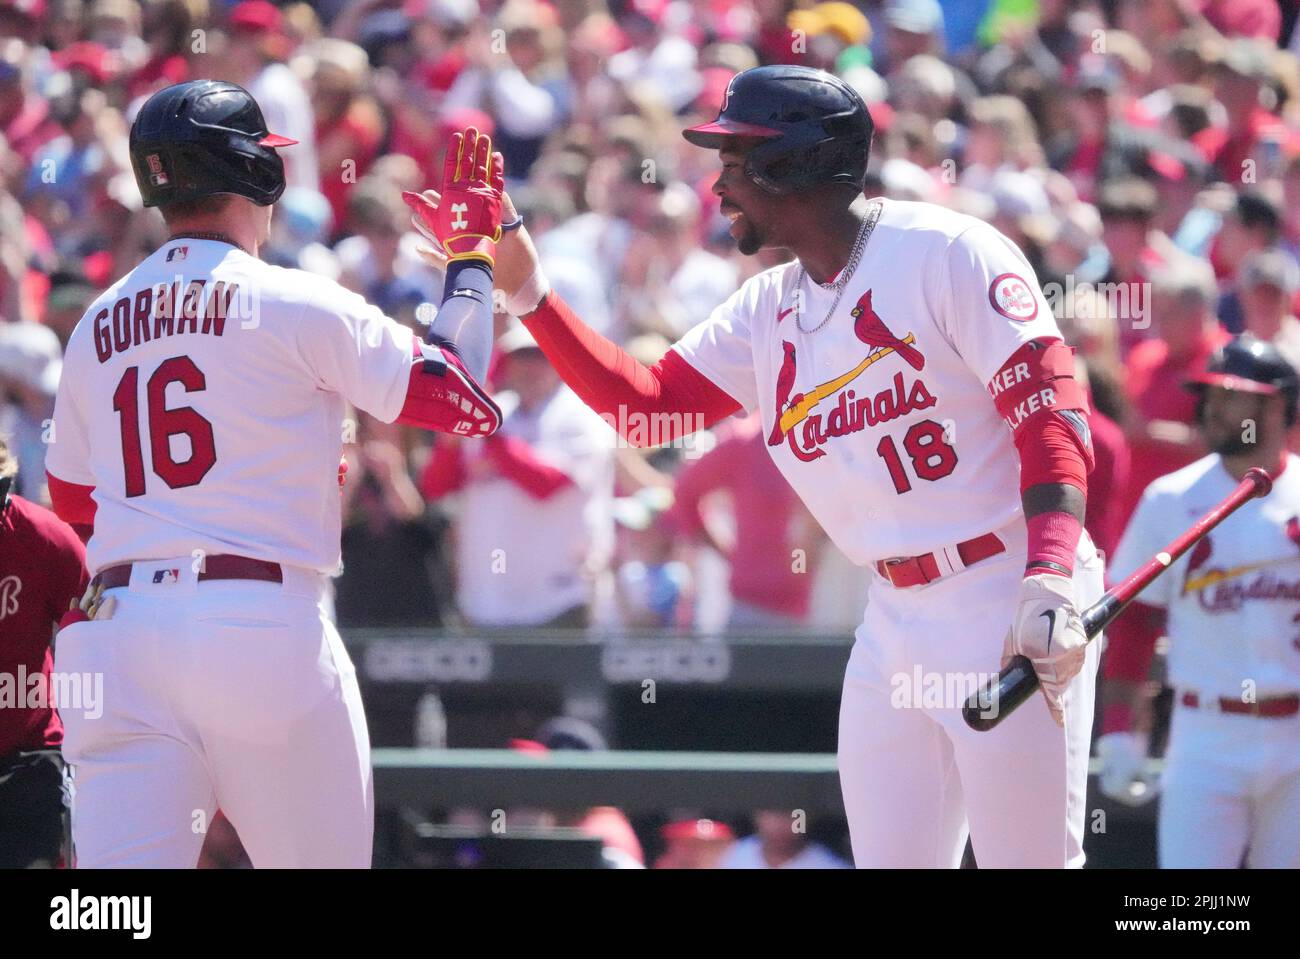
(1017, 682)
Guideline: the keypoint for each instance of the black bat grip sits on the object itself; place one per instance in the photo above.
(994, 702)
(1017, 682)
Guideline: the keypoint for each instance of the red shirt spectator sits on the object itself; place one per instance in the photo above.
(42, 568)
(355, 136)
(767, 518)
(1156, 374)
(1107, 482)
(1229, 148)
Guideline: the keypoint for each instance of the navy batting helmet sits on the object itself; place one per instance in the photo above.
(815, 127)
(1253, 366)
(203, 138)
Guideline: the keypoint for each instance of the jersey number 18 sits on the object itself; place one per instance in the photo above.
(163, 425)
(932, 456)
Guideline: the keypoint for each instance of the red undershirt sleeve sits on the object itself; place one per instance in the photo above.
(1130, 644)
(74, 504)
(516, 461)
(445, 471)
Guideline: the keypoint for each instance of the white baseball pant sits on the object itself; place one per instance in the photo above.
(1231, 788)
(916, 779)
(229, 693)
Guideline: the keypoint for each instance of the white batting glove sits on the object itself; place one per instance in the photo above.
(1123, 777)
(1047, 629)
(92, 606)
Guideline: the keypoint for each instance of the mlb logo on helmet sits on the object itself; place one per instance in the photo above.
(156, 175)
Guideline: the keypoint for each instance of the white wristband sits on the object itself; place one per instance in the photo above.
(529, 296)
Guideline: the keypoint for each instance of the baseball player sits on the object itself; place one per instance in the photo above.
(1231, 607)
(199, 426)
(916, 394)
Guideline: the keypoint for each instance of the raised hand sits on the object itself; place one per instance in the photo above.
(517, 272)
(465, 222)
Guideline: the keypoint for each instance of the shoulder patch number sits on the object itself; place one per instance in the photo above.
(1013, 297)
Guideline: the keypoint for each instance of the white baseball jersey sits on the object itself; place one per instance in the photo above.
(204, 397)
(896, 449)
(1233, 600)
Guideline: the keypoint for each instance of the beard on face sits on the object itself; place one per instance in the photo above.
(1231, 443)
(750, 241)
(1229, 436)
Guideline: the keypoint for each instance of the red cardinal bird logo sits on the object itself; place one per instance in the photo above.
(1201, 554)
(784, 384)
(871, 329)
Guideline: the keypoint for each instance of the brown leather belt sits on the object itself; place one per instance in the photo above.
(919, 570)
(221, 566)
(1274, 707)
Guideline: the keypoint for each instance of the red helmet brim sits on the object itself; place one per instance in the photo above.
(1230, 382)
(714, 136)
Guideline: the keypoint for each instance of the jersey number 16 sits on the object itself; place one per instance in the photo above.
(163, 425)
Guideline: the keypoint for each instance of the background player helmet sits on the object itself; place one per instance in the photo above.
(815, 126)
(203, 138)
(1253, 366)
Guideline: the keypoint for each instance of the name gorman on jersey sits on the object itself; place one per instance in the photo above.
(164, 309)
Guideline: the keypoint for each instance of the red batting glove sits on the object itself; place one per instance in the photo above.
(467, 220)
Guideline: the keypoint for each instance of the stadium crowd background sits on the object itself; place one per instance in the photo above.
(1145, 155)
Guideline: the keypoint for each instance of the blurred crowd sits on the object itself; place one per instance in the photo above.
(1145, 156)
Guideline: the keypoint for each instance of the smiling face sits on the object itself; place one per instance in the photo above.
(751, 210)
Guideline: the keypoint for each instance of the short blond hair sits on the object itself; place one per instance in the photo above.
(8, 462)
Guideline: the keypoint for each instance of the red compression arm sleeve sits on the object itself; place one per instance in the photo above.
(1053, 452)
(614, 384)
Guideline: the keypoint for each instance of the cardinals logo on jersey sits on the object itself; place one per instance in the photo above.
(1226, 590)
(1200, 575)
(852, 413)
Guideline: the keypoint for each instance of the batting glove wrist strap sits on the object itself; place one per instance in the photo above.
(472, 246)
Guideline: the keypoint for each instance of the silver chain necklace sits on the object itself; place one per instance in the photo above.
(841, 281)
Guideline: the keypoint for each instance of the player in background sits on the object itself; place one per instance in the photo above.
(198, 430)
(42, 568)
(916, 393)
(1231, 608)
